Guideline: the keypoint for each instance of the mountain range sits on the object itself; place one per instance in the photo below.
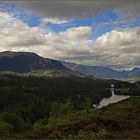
(33, 64)
(102, 71)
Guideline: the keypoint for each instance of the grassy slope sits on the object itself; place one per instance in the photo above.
(51, 73)
(120, 120)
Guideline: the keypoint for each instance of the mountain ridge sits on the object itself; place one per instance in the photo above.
(26, 62)
(102, 71)
(32, 64)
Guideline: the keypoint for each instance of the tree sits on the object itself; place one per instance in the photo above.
(5, 129)
(14, 120)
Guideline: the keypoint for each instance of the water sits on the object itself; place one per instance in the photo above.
(113, 99)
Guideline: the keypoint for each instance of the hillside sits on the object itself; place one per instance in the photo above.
(26, 100)
(43, 107)
(32, 64)
(118, 121)
(25, 62)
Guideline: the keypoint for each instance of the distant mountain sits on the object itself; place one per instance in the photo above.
(32, 64)
(134, 73)
(102, 71)
(26, 62)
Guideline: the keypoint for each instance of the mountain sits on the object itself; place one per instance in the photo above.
(26, 62)
(32, 64)
(102, 71)
(134, 73)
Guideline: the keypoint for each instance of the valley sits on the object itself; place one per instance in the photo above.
(45, 99)
(69, 69)
(44, 107)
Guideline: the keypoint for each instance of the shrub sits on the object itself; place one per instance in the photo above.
(5, 129)
(59, 109)
(39, 124)
(14, 120)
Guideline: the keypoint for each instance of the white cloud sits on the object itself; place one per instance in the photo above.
(54, 20)
(18, 34)
(77, 32)
(5, 18)
(118, 47)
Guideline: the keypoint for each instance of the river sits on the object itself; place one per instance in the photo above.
(113, 99)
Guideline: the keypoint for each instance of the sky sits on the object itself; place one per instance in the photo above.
(91, 32)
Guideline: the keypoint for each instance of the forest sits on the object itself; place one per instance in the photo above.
(42, 107)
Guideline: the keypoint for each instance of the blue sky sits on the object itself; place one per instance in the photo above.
(101, 23)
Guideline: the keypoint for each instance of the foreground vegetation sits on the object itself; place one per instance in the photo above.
(33, 107)
(121, 120)
(24, 101)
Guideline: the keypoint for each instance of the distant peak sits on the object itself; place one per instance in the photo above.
(135, 69)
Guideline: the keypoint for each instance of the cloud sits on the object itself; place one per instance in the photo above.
(118, 47)
(17, 34)
(130, 10)
(68, 10)
(115, 48)
(6, 18)
(54, 20)
(77, 32)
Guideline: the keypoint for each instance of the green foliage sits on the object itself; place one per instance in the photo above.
(25, 100)
(5, 129)
(120, 120)
(82, 135)
(59, 113)
(39, 124)
(36, 107)
(59, 109)
(102, 134)
(14, 120)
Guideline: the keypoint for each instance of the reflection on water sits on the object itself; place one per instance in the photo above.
(113, 99)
